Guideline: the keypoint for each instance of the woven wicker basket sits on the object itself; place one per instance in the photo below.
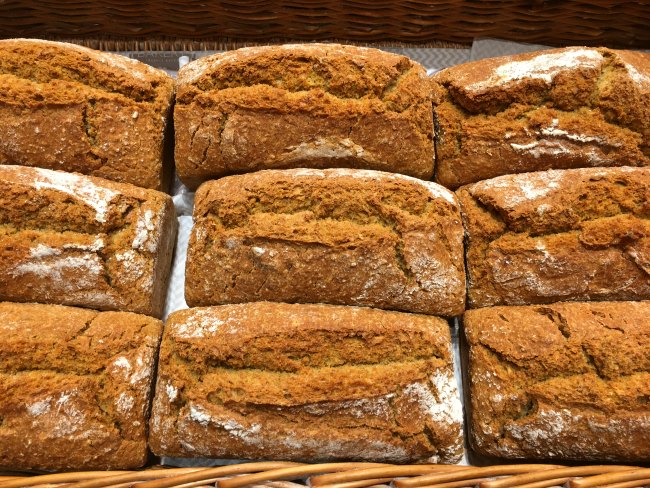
(119, 25)
(348, 475)
(214, 24)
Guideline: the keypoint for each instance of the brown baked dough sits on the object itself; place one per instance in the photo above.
(579, 234)
(71, 108)
(75, 386)
(561, 381)
(562, 108)
(77, 240)
(340, 236)
(311, 105)
(306, 382)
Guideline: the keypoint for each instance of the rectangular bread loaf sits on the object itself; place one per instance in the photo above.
(561, 381)
(71, 108)
(306, 382)
(340, 236)
(75, 386)
(78, 240)
(561, 108)
(311, 105)
(580, 234)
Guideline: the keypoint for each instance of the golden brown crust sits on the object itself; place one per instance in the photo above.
(561, 381)
(341, 236)
(77, 240)
(75, 387)
(71, 108)
(561, 108)
(312, 105)
(580, 234)
(309, 382)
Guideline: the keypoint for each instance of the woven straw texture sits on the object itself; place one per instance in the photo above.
(214, 24)
(349, 475)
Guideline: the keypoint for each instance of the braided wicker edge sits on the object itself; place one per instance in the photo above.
(347, 475)
(106, 43)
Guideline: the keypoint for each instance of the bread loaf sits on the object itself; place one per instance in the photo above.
(78, 240)
(580, 234)
(311, 105)
(306, 382)
(341, 236)
(561, 381)
(75, 387)
(71, 108)
(562, 108)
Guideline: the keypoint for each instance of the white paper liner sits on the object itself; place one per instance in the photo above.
(176, 289)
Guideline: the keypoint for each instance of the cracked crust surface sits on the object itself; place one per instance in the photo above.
(306, 382)
(579, 234)
(77, 240)
(561, 381)
(70, 108)
(313, 105)
(561, 108)
(75, 387)
(340, 236)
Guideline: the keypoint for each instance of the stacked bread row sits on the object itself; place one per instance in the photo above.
(321, 105)
(557, 369)
(305, 381)
(321, 382)
(551, 379)
(252, 380)
(76, 383)
(257, 379)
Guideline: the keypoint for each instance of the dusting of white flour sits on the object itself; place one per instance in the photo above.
(543, 67)
(78, 187)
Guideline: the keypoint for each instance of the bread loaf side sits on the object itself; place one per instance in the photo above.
(562, 108)
(70, 108)
(77, 240)
(312, 105)
(75, 387)
(579, 234)
(306, 382)
(341, 236)
(561, 381)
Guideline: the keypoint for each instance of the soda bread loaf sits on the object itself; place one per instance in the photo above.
(78, 240)
(561, 381)
(75, 387)
(306, 382)
(340, 236)
(311, 105)
(561, 108)
(71, 108)
(579, 234)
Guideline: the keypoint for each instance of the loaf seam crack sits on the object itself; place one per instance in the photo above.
(558, 319)
(591, 362)
(81, 81)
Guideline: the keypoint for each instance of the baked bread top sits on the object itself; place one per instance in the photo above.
(341, 236)
(293, 106)
(564, 380)
(60, 62)
(71, 108)
(78, 240)
(75, 387)
(560, 108)
(575, 234)
(347, 72)
(306, 382)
